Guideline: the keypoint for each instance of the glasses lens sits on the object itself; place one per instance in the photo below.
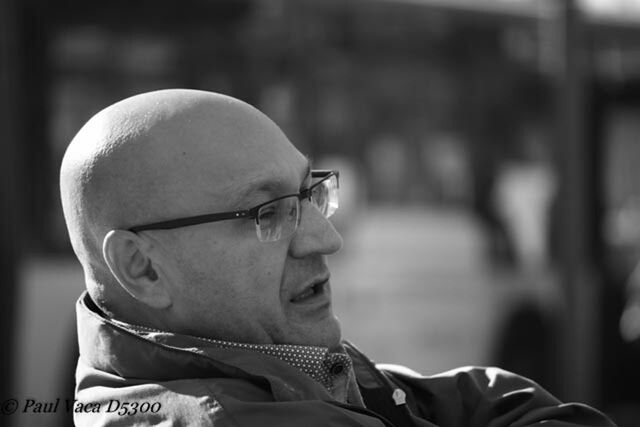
(278, 219)
(325, 196)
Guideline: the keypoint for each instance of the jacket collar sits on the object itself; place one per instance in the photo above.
(111, 348)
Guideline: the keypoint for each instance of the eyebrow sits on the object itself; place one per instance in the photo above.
(307, 170)
(243, 193)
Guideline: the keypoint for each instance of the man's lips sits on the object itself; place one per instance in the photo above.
(314, 289)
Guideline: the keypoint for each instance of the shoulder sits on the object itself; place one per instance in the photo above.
(467, 388)
(218, 402)
(488, 394)
(181, 402)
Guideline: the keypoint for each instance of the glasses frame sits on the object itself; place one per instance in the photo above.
(241, 214)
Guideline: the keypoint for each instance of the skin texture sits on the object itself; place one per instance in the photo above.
(176, 153)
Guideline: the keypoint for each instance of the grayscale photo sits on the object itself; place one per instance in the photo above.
(286, 213)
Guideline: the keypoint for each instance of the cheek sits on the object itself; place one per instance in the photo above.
(264, 267)
(233, 261)
(259, 273)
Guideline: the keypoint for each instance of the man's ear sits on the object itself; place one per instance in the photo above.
(129, 260)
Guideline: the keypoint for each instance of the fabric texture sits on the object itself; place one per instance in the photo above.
(132, 376)
(331, 369)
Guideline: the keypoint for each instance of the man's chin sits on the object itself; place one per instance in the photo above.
(321, 334)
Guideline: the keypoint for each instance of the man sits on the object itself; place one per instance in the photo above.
(203, 234)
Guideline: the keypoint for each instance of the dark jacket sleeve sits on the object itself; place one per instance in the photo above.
(489, 397)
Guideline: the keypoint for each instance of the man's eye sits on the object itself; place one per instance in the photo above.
(267, 213)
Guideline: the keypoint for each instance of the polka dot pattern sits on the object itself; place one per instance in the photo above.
(329, 369)
(317, 362)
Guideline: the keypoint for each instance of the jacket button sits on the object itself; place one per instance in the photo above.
(337, 369)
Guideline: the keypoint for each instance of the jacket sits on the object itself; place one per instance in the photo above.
(124, 377)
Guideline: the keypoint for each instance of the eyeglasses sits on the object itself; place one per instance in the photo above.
(276, 219)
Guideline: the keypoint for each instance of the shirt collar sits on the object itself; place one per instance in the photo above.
(331, 369)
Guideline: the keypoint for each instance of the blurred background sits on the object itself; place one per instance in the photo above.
(488, 152)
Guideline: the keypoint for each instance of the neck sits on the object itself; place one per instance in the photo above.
(125, 308)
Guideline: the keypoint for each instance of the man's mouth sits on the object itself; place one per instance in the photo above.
(310, 292)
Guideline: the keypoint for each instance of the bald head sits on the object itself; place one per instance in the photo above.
(157, 156)
(174, 154)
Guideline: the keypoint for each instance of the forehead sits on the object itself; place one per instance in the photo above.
(217, 159)
(240, 170)
(272, 181)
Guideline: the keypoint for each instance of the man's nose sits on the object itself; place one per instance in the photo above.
(315, 234)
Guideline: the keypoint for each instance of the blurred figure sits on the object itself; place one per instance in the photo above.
(524, 190)
(447, 165)
(630, 319)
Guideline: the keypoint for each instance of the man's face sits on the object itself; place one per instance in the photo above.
(228, 284)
